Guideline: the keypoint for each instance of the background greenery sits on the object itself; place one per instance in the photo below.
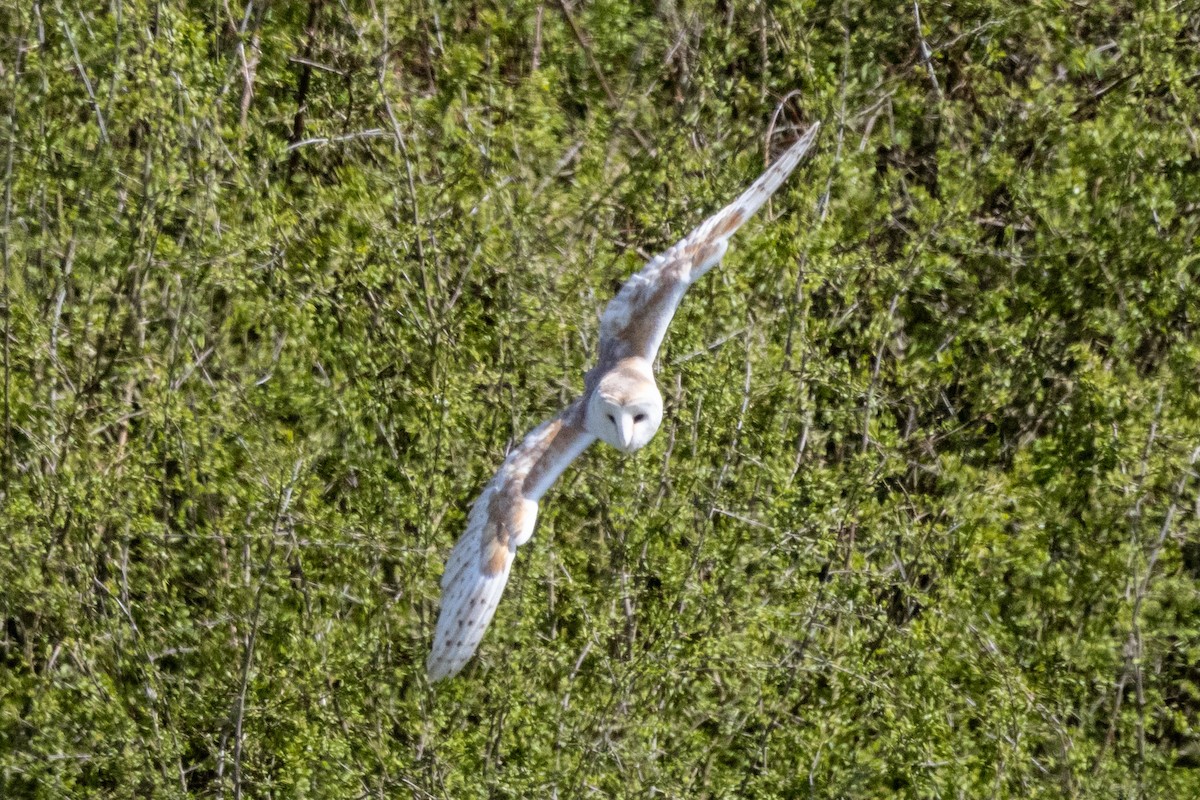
(281, 281)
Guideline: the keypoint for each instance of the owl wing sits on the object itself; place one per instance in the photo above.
(636, 320)
(501, 519)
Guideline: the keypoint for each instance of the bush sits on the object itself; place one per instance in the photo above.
(282, 281)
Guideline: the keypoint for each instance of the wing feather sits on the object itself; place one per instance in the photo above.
(501, 519)
(503, 516)
(636, 320)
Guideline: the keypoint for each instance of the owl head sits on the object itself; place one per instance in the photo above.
(625, 409)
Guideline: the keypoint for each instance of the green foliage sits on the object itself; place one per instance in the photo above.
(281, 282)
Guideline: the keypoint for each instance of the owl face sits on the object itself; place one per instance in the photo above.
(625, 410)
(626, 424)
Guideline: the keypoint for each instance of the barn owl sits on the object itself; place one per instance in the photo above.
(620, 405)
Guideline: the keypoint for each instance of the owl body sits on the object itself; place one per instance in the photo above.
(621, 406)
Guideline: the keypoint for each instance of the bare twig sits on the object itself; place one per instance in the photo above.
(401, 149)
(5, 258)
(875, 365)
(314, 9)
(373, 133)
(239, 716)
(775, 119)
(87, 83)
(926, 53)
(715, 345)
(249, 62)
(1134, 645)
(536, 60)
(317, 65)
(823, 201)
(737, 432)
(586, 46)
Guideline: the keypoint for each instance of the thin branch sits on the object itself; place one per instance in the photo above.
(317, 65)
(926, 53)
(87, 83)
(6, 257)
(314, 9)
(535, 61)
(823, 201)
(285, 500)
(401, 149)
(586, 45)
(249, 62)
(373, 133)
(737, 430)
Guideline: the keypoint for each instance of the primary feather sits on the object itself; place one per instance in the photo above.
(636, 320)
(620, 404)
(501, 519)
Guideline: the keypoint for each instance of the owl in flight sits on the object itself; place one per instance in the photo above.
(620, 405)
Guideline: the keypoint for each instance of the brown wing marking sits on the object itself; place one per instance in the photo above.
(731, 223)
(636, 320)
(495, 539)
(554, 444)
(478, 567)
(527, 470)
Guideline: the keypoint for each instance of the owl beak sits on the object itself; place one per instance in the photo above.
(626, 431)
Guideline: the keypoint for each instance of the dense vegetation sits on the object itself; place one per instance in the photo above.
(282, 280)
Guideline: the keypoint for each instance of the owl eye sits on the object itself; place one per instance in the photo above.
(612, 419)
(639, 418)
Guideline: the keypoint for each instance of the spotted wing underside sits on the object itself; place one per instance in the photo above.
(501, 519)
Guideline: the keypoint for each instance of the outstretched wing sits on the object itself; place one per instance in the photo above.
(636, 320)
(501, 519)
